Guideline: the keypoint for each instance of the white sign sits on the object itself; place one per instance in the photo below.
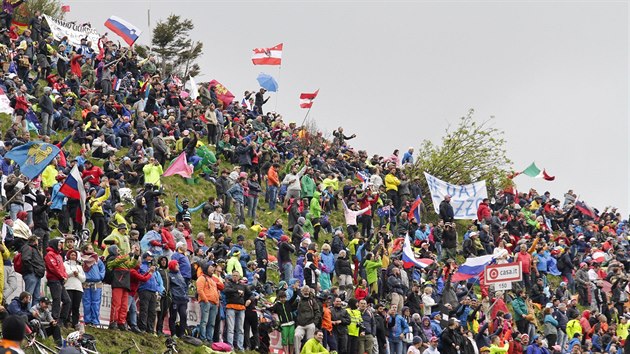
(464, 199)
(74, 32)
(503, 286)
(502, 273)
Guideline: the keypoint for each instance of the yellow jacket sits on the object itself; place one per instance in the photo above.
(120, 240)
(622, 329)
(5, 256)
(49, 176)
(391, 182)
(96, 204)
(331, 182)
(152, 174)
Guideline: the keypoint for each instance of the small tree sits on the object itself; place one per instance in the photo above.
(51, 8)
(176, 50)
(469, 153)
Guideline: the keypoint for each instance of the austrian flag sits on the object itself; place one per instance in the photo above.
(306, 99)
(267, 56)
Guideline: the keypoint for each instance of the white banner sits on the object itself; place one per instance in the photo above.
(74, 32)
(464, 199)
(5, 103)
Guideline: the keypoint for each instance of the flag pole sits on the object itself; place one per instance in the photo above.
(279, 71)
(307, 112)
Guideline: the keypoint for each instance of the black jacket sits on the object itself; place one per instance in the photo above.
(232, 295)
(342, 266)
(137, 215)
(450, 339)
(32, 261)
(40, 213)
(446, 211)
(340, 314)
(309, 311)
(261, 249)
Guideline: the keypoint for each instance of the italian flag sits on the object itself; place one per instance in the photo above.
(533, 171)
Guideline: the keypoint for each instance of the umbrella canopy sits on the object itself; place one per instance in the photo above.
(267, 82)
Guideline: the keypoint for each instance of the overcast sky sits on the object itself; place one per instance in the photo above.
(555, 75)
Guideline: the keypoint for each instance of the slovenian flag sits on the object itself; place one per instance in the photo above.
(472, 268)
(410, 260)
(128, 32)
(414, 211)
(73, 188)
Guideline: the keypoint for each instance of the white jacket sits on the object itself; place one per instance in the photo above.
(74, 283)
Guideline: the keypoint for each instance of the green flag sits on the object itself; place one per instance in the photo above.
(532, 170)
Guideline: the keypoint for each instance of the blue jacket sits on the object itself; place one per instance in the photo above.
(275, 232)
(58, 199)
(401, 326)
(178, 290)
(329, 261)
(236, 192)
(184, 264)
(18, 308)
(154, 284)
(96, 272)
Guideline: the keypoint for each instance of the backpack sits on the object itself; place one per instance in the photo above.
(221, 347)
(17, 262)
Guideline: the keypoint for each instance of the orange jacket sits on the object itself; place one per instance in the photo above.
(207, 290)
(272, 177)
(327, 319)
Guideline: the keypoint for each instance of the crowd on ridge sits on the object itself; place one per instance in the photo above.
(354, 294)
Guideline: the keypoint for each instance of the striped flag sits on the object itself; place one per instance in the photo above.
(472, 267)
(128, 32)
(409, 258)
(306, 99)
(267, 56)
(414, 210)
(73, 188)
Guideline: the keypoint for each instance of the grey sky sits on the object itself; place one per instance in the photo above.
(555, 75)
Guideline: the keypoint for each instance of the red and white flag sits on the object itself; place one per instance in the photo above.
(179, 167)
(306, 99)
(267, 56)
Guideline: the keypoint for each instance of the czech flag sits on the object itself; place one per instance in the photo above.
(472, 268)
(128, 32)
(410, 260)
(74, 188)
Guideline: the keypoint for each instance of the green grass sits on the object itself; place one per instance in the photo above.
(114, 342)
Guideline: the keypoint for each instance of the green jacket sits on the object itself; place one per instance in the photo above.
(520, 308)
(312, 346)
(371, 269)
(308, 186)
(315, 208)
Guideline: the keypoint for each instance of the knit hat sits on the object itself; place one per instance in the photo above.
(172, 265)
(284, 238)
(417, 340)
(301, 220)
(13, 328)
(22, 215)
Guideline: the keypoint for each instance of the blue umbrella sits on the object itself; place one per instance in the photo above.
(267, 82)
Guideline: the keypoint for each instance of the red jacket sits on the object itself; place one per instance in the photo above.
(168, 239)
(55, 270)
(21, 103)
(136, 279)
(95, 173)
(360, 293)
(483, 212)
